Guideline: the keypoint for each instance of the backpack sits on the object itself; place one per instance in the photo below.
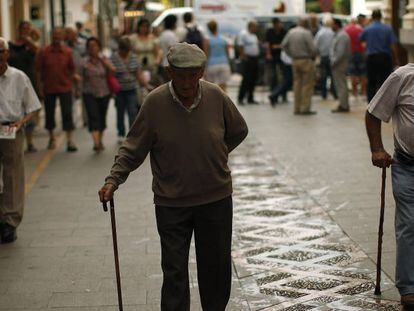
(194, 36)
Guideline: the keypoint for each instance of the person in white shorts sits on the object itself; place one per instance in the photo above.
(218, 68)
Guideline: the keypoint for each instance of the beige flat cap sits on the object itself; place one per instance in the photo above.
(184, 55)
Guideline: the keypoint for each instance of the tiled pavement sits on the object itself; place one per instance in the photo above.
(289, 252)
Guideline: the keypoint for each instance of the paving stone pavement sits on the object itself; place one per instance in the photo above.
(291, 250)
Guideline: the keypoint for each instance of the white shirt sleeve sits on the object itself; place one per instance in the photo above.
(30, 100)
(383, 104)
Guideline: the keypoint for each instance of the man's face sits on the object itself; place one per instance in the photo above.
(25, 29)
(4, 55)
(70, 35)
(253, 28)
(57, 36)
(185, 81)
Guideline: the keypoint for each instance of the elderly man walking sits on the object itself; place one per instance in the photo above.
(18, 104)
(395, 100)
(189, 127)
(298, 44)
(340, 54)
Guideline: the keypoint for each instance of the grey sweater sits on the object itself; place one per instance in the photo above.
(188, 149)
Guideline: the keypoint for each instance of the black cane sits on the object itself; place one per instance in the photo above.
(115, 243)
(380, 234)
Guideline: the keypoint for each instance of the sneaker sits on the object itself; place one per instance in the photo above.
(339, 110)
(272, 101)
(71, 148)
(31, 148)
(8, 234)
(253, 102)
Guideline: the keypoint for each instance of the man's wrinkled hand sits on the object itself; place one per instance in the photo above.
(381, 159)
(107, 193)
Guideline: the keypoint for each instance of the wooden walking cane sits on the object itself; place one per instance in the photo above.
(380, 233)
(115, 243)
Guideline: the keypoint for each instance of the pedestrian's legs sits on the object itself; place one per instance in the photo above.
(339, 77)
(120, 103)
(212, 232)
(371, 76)
(94, 123)
(244, 83)
(175, 227)
(403, 188)
(66, 108)
(12, 196)
(132, 106)
(273, 74)
(252, 78)
(308, 81)
(103, 103)
(50, 107)
(297, 84)
(325, 69)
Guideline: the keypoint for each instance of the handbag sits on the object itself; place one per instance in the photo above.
(113, 83)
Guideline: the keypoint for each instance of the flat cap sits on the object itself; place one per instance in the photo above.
(184, 55)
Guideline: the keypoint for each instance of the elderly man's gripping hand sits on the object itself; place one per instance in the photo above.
(381, 158)
(106, 193)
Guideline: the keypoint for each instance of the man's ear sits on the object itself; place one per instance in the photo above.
(201, 73)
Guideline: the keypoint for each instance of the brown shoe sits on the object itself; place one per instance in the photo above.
(407, 300)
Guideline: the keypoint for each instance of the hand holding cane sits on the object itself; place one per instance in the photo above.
(380, 234)
(115, 243)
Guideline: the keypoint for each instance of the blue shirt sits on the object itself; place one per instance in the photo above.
(379, 38)
(217, 51)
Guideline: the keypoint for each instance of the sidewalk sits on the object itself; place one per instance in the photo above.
(294, 194)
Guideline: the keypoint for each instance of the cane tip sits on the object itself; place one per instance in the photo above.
(377, 291)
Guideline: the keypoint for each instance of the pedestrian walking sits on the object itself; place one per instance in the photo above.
(274, 38)
(299, 45)
(22, 55)
(323, 41)
(95, 90)
(127, 72)
(167, 39)
(18, 104)
(357, 63)
(192, 181)
(380, 48)
(394, 100)
(248, 47)
(217, 51)
(286, 85)
(55, 71)
(339, 56)
(147, 49)
(191, 32)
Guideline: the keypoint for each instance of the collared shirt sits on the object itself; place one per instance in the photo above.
(353, 31)
(249, 42)
(56, 67)
(196, 102)
(379, 38)
(17, 96)
(94, 78)
(395, 99)
(298, 43)
(323, 40)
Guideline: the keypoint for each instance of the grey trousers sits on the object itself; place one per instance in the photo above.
(403, 189)
(339, 77)
(12, 180)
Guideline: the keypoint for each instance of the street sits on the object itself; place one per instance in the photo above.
(306, 210)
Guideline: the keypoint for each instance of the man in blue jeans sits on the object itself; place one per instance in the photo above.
(394, 99)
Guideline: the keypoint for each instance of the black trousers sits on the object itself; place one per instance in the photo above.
(96, 109)
(250, 72)
(212, 226)
(379, 67)
(66, 104)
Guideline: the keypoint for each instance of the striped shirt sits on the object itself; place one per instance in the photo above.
(126, 72)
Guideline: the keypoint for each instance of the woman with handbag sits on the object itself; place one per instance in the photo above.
(127, 72)
(95, 72)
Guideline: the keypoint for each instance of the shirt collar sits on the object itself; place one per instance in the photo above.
(7, 72)
(197, 100)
